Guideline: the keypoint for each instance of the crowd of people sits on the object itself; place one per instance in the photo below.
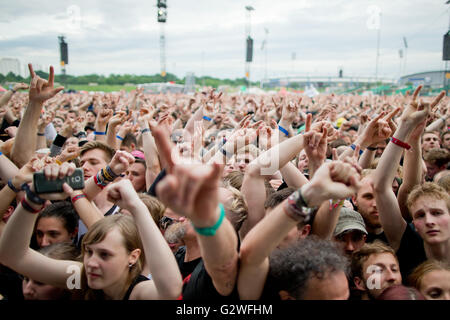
(224, 197)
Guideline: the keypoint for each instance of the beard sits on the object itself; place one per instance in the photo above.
(175, 232)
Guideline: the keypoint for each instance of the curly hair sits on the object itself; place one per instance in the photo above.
(294, 266)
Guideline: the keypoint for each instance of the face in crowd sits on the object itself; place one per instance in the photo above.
(34, 290)
(429, 141)
(136, 174)
(92, 161)
(379, 271)
(366, 204)
(51, 230)
(435, 285)
(431, 219)
(350, 241)
(106, 262)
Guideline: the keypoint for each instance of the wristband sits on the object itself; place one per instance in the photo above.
(11, 186)
(31, 195)
(283, 130)
(211, 231)
(119, 137)
(207, 118)
(334, 205)
(27, 206)
(100, 133)
(145, 130)
(400, 143)
(111, 173)
(354, 147)
(41, 134)
(100, 183)
(1, 153)
(77, 197)
(372, 148)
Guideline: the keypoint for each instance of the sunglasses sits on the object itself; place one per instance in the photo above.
(165, 222)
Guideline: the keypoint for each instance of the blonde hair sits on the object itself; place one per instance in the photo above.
(131, 241)
(237, 208)
(427, 189)
(153, 205)
(416, 277)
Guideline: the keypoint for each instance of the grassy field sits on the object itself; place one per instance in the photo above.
(104, 88)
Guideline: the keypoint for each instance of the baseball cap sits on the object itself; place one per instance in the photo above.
(349, 220)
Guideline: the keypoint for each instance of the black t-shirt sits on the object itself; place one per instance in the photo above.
(197, 284)
(271, 289)
(371, 237)
(411, 252)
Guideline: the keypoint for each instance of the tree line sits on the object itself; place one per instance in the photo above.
(118, 79)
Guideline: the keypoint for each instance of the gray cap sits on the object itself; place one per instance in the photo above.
(349, 220)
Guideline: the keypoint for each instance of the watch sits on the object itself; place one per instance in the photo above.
(33, 197)
(297, 208)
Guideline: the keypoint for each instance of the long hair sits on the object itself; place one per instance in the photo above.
(131, 241)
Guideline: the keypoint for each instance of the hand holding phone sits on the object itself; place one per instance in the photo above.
(42, 185)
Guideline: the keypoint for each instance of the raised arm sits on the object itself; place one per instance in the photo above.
(14, 243)
(412, 169)
(167, 282)
(4, 99)
(334, 180)
(192, 191)
(390, 216)
(25, 141)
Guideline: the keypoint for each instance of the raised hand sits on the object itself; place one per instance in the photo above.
(121, 161)
(20, 86)
(123, 194)
(104, 115)
(415, 113)
(333, 180)
(54, 171)
(40, 89)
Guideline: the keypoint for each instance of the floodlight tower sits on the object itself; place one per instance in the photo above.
(249, 40)
(64, 56)
(162, 17)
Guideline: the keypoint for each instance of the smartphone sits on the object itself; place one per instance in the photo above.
(42, 185)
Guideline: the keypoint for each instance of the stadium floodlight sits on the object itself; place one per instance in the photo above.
(162, 4)
(162, 15)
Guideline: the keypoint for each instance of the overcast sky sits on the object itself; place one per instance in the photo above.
(207, 37)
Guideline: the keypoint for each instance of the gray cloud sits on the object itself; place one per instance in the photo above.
(123, 36)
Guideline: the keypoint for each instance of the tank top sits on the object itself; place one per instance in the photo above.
(138, 279)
